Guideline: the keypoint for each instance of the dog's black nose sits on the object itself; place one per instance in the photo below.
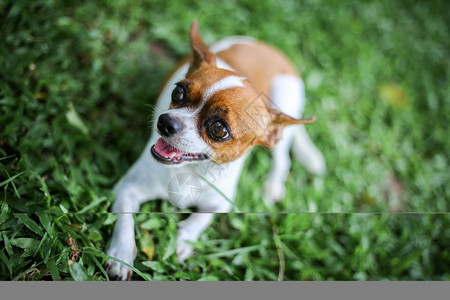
(168, 126)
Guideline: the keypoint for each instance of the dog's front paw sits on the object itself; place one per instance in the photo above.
(125, 252)
(184, 250)
(274, 191)
(184, 240)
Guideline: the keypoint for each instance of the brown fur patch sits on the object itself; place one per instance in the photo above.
(258, 62)
(201, 54)
(245, 114)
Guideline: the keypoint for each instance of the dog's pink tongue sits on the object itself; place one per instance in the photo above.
(166, 150)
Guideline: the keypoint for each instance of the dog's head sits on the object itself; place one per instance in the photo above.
(215, 114)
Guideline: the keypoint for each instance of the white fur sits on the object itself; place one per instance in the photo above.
(228, 42)
(228, 82)
(188, 140)
(307, 153)
(287, 94)
(148, 179)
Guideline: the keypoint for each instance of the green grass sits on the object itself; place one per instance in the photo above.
(76, 85)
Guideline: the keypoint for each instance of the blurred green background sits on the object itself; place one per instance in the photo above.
(77, 80)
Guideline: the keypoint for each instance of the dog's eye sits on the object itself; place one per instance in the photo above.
(218, 130)
(178, 94)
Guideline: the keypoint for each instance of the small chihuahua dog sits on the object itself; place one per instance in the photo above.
(228, 98)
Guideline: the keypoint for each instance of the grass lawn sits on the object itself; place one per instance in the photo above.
(77, 81)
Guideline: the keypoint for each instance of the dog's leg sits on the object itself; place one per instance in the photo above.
(123, 245)
(286, 95)
(274, 189)
(190, 229)
(141, 183)
(307, 153)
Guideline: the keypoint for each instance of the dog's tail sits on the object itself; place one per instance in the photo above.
(307, 153)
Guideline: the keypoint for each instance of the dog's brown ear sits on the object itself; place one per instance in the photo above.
(277, 124)
(201, 53)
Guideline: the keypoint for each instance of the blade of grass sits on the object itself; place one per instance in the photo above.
(29, 223)
(99, 265)
(44, 188)
(6, 157)
(10, 179)
(7, 242)
(96, 252)
(53, 269)
(279, 246)
(92, 205)
(233, 251)
(6, 262)
(46, 223)
(78, 272)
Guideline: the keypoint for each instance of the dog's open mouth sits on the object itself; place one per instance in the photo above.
(169, 155)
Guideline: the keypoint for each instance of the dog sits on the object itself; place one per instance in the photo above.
(216, 106)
